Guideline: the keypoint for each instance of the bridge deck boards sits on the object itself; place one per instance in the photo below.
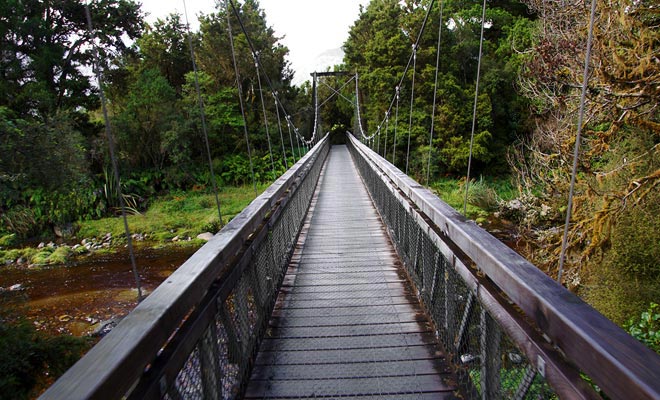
(345, 323)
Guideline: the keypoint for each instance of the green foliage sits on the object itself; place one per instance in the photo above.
(147, 112)
(176, 214)
(378, 48)
(47, 52)
(484, 194)
(646, 328)
(510, 380)
(30, 360)
(635, 240)
(8, 240)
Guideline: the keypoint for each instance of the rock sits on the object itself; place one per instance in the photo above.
(21, 260)
(41, 245)
(205, 236)
(84, 242)
(51, 245)
(16, 287)
(175, 238)
(105, 245)
(545, 210)
(76, 247)
(65, 318)
(104, 327)
(137, 237)
(64, 231)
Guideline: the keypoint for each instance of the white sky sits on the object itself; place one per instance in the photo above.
(307, 27)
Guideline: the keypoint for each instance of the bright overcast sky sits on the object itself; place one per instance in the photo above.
(309, 27)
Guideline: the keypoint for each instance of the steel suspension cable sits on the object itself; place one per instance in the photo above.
(113, 158)
(474, 110)
(410, 59)
(263, 108)
(289, 124)
(435, 94)
(378, 143)
(279, 126)
(202, 114)
(254, 53)
(387, 129)
(358, 118)
(412, 100)
(396, 123)
(240, 97)
(336, 92)
(576, 149)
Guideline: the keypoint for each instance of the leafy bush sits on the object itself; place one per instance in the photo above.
(646, 329)
(30, 360)
(482, 195)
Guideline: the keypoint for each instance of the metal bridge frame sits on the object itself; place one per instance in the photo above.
(196, 335)
(559, 333)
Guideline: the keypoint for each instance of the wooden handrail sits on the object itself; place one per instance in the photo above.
(112, 367)
(619, 364)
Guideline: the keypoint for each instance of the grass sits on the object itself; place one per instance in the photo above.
(484, 194)
(180, 214)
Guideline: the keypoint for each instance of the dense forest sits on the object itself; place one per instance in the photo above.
(55, 167)
(526, 123)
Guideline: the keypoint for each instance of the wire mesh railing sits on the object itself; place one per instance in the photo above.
(511, 332)
(196, 335)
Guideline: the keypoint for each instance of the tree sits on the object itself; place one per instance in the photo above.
(165, 47)
(146, 119)
(46, 47)
(379, 47)
(613, 231)
(215, 58)
(45, 94)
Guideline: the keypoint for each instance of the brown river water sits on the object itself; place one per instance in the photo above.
(78, 298)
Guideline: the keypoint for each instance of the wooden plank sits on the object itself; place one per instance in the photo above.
(349, 320)
(344, 302)
(330, 311)
(347, 356)
(348, 342)
(346, 322)
(399, 396)
(349, 387)
(332, 292)
(332, 331)
(366, 369)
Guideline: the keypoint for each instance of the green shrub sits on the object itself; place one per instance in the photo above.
(61, 255)
(8, 240)
(42, 256)
(30, 359)
(482, 195)
(646, 328)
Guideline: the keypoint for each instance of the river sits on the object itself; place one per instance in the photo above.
(76, 299)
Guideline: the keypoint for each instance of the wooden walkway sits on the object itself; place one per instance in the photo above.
(346, 322)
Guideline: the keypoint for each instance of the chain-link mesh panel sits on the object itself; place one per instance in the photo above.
(220, 362)
(487, 363)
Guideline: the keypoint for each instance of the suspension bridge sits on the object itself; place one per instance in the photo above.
(346, 278)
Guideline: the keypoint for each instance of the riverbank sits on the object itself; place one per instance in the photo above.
(181, 219)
